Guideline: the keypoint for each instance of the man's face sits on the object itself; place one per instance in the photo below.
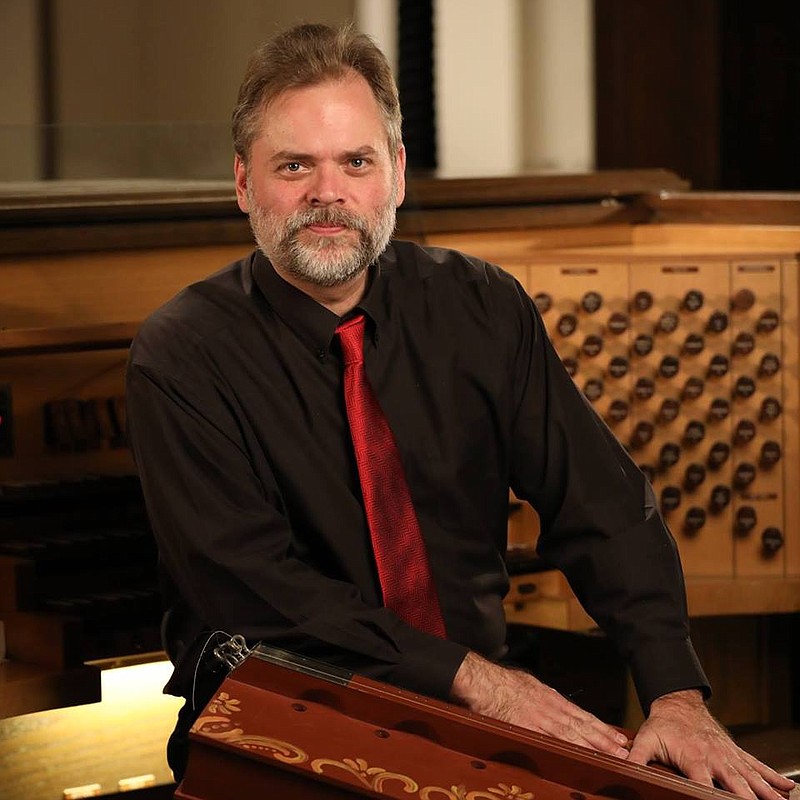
(321, 187)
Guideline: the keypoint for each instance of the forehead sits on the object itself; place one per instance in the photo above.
(336, 113)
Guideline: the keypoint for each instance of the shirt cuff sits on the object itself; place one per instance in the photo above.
(662, 667)
(430, 667)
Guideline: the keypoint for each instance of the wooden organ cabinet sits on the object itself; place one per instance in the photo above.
(675, 312)
(684, 339)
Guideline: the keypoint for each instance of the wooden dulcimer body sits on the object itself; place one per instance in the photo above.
(284, 727)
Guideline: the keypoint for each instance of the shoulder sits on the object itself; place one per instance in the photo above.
(452, 274)
(195, 316)
(445, 265)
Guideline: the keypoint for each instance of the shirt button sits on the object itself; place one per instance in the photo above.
(321, 355)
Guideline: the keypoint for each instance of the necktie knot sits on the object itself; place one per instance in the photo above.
(351, 337)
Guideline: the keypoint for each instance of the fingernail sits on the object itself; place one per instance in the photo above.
(622, 753)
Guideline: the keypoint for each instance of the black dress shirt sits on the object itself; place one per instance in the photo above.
(238, 426)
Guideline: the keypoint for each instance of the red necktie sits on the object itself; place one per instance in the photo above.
(400, 553)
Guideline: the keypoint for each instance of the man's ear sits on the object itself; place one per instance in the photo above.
(401, 175)
(240, 173)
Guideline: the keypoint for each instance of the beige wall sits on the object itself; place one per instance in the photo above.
(557, 65)
(145, 87)
(19, 98)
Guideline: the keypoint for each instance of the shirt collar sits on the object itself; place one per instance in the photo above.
(314, 324)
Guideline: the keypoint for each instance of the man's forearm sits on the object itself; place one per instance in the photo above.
(521, 699)
(479, 685)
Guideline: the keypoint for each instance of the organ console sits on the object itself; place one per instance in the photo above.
(675, 313)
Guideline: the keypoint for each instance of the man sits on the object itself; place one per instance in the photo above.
(253, 462)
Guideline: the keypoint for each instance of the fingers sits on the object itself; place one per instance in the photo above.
(645, 749)
(768, 774)
(765, 782)
(551, 713)
(728, 777)
(711, 760)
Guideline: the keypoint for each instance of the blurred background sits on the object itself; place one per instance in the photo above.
(709, 89)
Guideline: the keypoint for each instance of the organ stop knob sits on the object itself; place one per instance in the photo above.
(746, 519)
(717, 322)
(667, 322)
(743, 344)
(618, 367)
(744, 432)
(668, 455)
(769, 366)
(642, 434)
(720, 499)
(770, 409)
(618, 323)
(694, 520)
(693, 344)
(771, 540)
(543, 302)
(719, 410)
(693, 300)
(670, 408)
(693, 388)
(770, 455)
(669, 366)
(592, 345)
(642, 301)
(694, 476)
(718, 455)
(744, 475)
(643, 344)
(593, 389)
(694, 433)
(591, 302)
(566, 325)
(670, 498)
(743, 300)
(644, 389)
(718, 366)
(618, 411)
(744, 387)
(768, 322)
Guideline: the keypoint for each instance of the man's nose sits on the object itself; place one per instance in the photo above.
(327, 187)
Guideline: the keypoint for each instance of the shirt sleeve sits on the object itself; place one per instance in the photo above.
(600, 524)
(229, 551)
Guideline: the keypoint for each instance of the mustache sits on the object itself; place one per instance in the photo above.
(326, 216)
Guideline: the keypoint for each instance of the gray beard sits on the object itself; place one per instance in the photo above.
(325, 261)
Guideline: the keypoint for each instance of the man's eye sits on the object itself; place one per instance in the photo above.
(358, 163)
(292, 166)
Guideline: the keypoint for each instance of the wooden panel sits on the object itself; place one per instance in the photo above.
(92, 288)
(656, 77)
(37, 380)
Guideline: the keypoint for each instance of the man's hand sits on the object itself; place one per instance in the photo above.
(519, 698)
(681, 732)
